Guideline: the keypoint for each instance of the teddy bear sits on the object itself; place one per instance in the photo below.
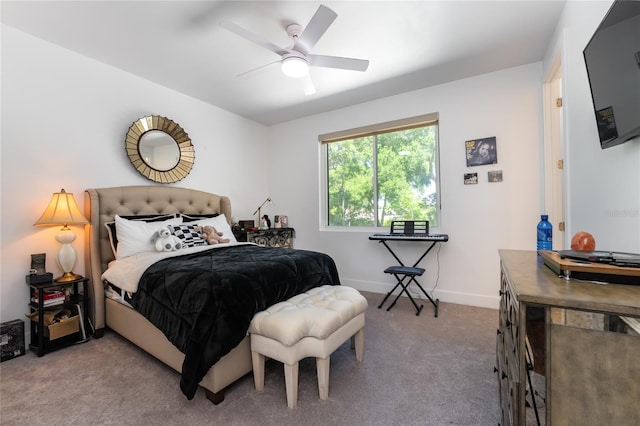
(211, 235)
(165, 241)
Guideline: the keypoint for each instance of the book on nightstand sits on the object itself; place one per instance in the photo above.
(49, 298)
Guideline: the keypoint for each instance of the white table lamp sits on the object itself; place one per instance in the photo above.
(63, 210)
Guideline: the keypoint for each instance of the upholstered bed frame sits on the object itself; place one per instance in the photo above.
(101, 205)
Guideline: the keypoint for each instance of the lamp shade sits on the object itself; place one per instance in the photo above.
(62, 210)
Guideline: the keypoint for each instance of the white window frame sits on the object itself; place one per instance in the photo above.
(373, 129)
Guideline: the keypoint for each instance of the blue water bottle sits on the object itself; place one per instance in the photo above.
(545, 233)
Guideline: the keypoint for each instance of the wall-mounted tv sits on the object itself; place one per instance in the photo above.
(612, 57)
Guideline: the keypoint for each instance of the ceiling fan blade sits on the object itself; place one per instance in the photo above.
(245, 75)
(309, 88)
(319, 23)
(338, 62)
(253, 37)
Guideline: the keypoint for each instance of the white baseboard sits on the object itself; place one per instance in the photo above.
(470, 299)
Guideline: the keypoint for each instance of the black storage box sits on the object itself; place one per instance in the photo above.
(47, 277)
(12, 339)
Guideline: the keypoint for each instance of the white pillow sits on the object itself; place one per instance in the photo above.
(134, 236)
(221, 225)
(111, 227)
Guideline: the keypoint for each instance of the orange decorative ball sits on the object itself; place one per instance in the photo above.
(583, 241)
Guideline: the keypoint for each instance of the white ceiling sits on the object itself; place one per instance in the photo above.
(180, 45)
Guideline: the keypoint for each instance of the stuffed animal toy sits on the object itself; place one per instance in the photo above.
(165, 241)
(212, 236)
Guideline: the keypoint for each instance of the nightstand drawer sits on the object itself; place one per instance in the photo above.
(62, 328)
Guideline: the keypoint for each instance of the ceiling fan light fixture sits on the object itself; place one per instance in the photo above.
(295, 67)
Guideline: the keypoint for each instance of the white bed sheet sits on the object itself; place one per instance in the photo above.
(126, 272)
(112, 294)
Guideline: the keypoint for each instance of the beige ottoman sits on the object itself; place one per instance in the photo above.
(311, 324)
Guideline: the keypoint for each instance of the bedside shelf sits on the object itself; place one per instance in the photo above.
(42, 344)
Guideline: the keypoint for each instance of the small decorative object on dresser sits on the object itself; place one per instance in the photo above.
(583, 241)
(284, 221)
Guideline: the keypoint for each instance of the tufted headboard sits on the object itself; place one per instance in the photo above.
(101, 205)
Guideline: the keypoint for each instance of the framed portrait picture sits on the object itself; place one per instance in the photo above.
(481, 151)
(284, 221)
(38, 263)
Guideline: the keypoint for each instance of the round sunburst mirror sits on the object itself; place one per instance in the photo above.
(159, 149)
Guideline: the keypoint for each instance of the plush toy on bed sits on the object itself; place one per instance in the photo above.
(212, 236)
(165, 241)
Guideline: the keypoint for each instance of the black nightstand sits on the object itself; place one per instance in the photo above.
(240, 234)
(47, 338)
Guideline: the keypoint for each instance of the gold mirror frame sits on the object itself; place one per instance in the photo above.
(177, 133)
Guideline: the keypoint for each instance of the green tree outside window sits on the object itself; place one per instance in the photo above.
(375, 179)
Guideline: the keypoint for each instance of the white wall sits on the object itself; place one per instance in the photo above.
(64, 120)
(480, 219)
(603, 186)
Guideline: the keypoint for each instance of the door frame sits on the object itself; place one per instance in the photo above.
(554, 164)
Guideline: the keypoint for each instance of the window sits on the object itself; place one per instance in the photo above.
(381, 173)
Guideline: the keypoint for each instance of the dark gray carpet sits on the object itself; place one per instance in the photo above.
(417, 371)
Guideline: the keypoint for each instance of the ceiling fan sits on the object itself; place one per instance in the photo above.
(296, 59)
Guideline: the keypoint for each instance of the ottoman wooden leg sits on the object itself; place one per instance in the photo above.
(322, 367)
(359, 343)
(291, 384)
(258, 370)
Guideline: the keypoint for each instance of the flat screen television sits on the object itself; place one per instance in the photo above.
(612, 57)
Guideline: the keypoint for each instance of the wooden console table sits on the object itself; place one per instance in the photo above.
(592, 375)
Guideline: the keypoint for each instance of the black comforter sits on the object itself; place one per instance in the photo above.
(204, 302)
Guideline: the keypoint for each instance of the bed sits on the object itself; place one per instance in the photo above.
(238, 294)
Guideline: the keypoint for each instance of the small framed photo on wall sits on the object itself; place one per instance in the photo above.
(494, 176)
(470, 178)
(481, 151)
